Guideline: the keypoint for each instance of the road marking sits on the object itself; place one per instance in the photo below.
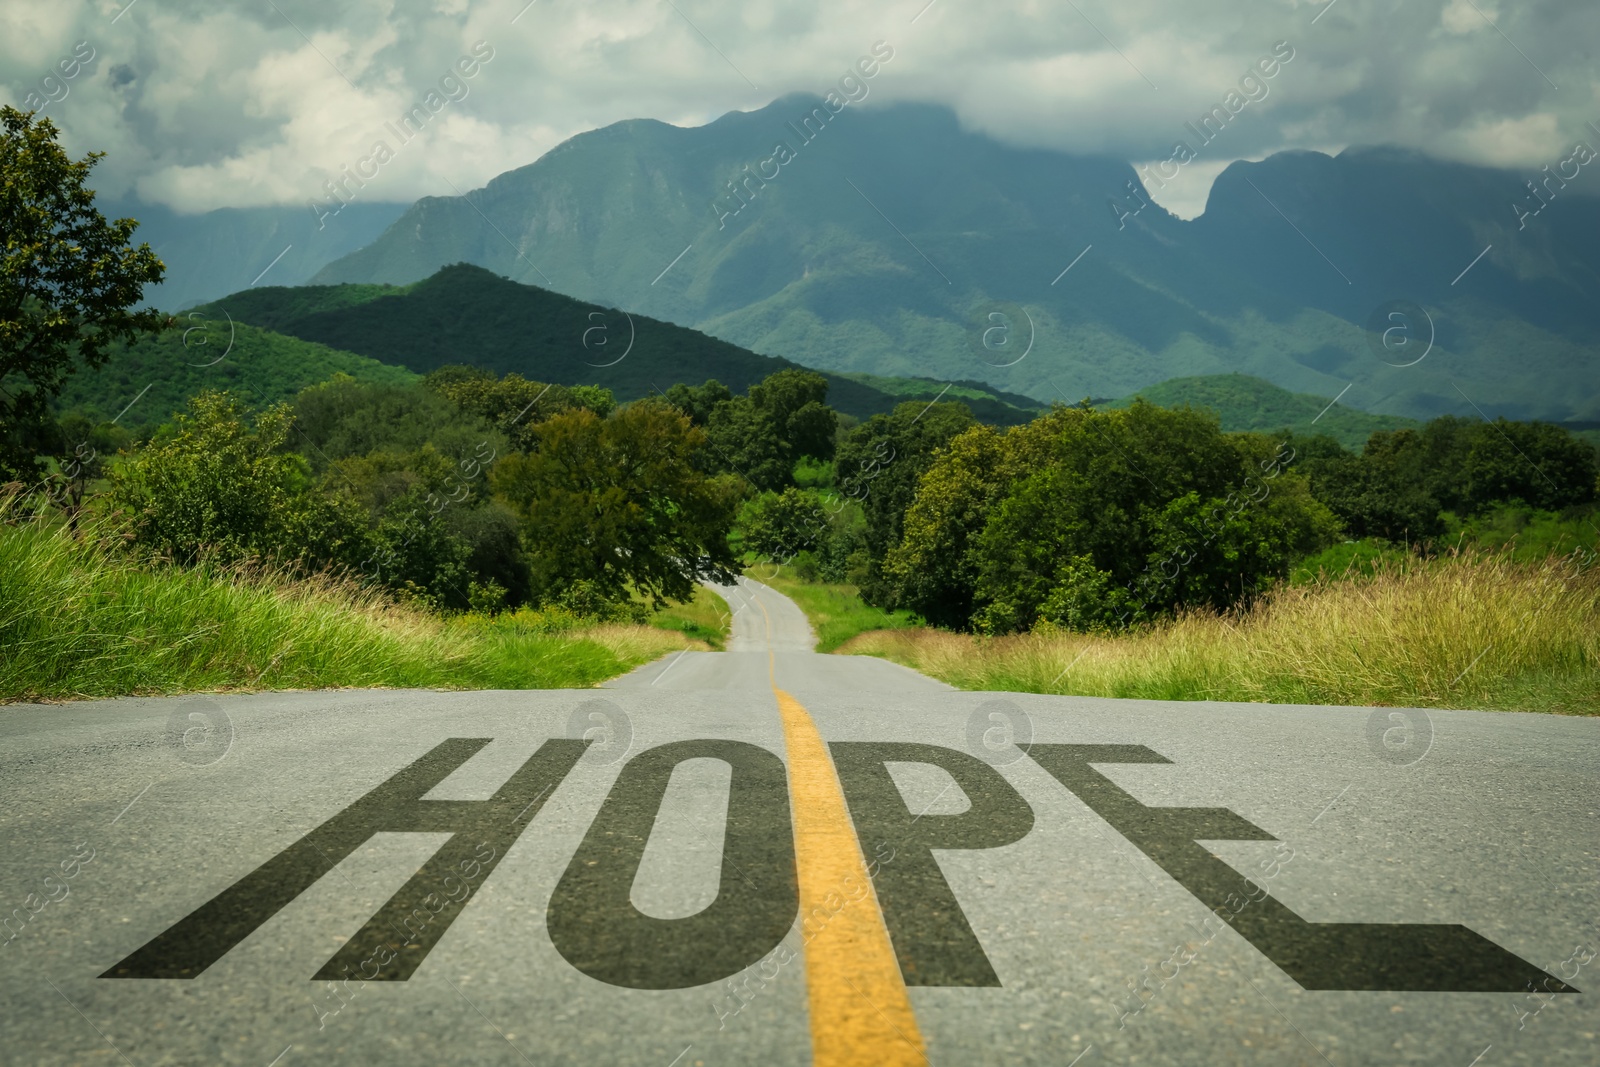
(859, 1008)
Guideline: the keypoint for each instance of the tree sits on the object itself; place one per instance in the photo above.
(513, 404)
(220, 488)
(699, 401)
(343, 417)
(1087, 518)
(68, 278)
(878, 465)
(761, 436)
(81, 451)
(1404, 481)
(1536, 463)
(796, 402)
(415, 553)
(620, 501)
(781, 525)
(930, 569)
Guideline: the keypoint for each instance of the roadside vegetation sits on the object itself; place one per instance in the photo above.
(1142, 552)
(476, 528)
(835, 610)
(705, 617)
(80, 617)
(1463, 631)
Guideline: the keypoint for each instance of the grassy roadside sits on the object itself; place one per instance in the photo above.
(705, 618)
(836, 611)
(79, 621)
(1461, 632)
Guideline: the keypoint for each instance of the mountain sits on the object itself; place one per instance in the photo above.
(1245, 403)
(882, 240)
(465, 314)
(141, 385)
(218, 252)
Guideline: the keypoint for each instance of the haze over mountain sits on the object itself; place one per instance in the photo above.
(222, 251)
(884, 243)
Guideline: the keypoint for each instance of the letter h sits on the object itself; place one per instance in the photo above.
(206, 934)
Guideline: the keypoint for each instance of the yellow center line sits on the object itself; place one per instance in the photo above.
(860, 1011)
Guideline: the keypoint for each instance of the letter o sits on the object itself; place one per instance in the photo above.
(592, 920)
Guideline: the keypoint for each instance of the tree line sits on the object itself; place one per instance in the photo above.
(1089, 519)
(471, 490)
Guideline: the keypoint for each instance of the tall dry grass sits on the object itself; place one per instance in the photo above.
(1464, 631)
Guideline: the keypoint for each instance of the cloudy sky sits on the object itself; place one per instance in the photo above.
(201, 104)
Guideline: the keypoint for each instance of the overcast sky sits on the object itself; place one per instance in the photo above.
(203, 104)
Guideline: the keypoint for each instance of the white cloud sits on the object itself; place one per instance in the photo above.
(233, 106)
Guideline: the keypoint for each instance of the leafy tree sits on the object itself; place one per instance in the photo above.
(513, 405)
(932, 569)
(415, 553)
(1225, 551)
(1063, 520)
(68, 278)
(878, 466)
(343, 417)
(1405, 482)
(781, 525)
(744, 440)
(1535, 463)
(763, 435)
(619, 500)
(1385, 492)
(490, 533)
(842, 555)
(796, 402)
(699, 401)
(221, 488)
(597, 399)
(80, 451)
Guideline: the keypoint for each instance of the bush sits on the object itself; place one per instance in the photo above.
(1090, 518)
(779, 526)
(619, 502)
(587, 601)
(222, 488)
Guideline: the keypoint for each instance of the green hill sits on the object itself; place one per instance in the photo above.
(465, 314)
(149, 380)
(1246, 403)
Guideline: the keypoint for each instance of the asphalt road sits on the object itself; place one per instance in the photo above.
(770, 856)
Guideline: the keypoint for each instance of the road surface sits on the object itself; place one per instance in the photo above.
(770, 856)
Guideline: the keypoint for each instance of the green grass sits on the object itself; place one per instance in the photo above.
(79, 619)
(1521, 533)
(1529, 534)
(705, 618)
(836, 612)
(1475, 630)
(1350, 559)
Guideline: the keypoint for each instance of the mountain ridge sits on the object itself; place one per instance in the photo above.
(467, 314)
(881, 246)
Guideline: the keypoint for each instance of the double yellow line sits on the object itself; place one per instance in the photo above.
(860, 1011)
